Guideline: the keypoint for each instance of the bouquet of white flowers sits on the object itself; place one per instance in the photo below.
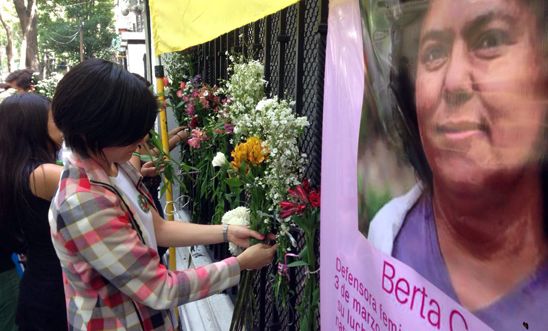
(237, 216)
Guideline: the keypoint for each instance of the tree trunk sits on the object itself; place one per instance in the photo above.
(32, 43)
(9, 44)
(26, 11)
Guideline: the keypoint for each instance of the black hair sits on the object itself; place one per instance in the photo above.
(25, 142)
(22, 78)
(402, 85)
(99, 104)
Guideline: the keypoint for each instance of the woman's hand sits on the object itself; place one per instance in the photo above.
(256, 256)
(148, 169)
(239, 235)
(174, 131)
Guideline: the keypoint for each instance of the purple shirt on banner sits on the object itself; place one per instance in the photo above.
(523, 308)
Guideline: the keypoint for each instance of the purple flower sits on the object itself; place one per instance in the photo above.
(229, 127)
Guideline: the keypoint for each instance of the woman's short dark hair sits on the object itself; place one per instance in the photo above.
(99, 104)
(25, 143)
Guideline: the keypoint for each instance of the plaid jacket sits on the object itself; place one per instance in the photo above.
(112, 280)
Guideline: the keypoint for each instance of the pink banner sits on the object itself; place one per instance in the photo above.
(363, 288)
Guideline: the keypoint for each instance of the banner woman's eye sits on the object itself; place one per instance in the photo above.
(434, 56)
(489, 44)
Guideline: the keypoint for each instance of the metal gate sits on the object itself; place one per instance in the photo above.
(291, 44)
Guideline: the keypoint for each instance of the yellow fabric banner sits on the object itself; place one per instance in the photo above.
(179, 24)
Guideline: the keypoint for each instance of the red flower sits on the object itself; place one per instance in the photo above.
(288, 208)
(166, 81)
(193, 123)
(306, 185)
(314, 198)
(298, 193)
(182, 85)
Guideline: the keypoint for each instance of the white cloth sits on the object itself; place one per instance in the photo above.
(387, 223)
(124, 184)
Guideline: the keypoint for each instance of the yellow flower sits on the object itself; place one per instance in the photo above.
(250, 152)
(238, 155)
(255, 152)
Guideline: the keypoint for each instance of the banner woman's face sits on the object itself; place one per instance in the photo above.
(480, 89)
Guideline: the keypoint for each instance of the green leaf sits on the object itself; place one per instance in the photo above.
(294, 264)
(145, 158)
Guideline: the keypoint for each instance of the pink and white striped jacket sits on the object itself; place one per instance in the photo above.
(113, 280)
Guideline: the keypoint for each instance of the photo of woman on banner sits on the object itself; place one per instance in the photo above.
(467, 92)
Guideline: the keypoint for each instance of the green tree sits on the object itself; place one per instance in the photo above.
(10, 37)
(60, 22)
(27, 13)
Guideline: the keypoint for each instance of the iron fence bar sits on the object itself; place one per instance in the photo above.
(245, 43)
(310, 29)
(256, 44)
(215, 59)
(262, 299)
(267, 51)
(301, 9)
(283, 38)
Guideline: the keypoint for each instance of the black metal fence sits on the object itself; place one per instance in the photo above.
(291, 45)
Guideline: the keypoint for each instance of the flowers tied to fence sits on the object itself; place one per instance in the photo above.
(245, 149)
(301, 209)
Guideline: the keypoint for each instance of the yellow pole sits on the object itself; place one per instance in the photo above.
(159, 72)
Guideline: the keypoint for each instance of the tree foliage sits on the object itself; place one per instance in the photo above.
(28, 19)
(59, 28)
(10, 37)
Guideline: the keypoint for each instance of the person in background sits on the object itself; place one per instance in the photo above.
(9, 286)
(21, 80)
(141, 161)
(6, 90)
(105, 228)
(151, 175)
(4, 87)
(29, 178)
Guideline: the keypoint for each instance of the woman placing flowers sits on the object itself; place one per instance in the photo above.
(104, 225)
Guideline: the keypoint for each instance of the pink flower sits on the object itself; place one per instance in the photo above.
(197, 137)
(194, 142)
(204, 102)
(189, 109)
(182, 85)
(179, 93)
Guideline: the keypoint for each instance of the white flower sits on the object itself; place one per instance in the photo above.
(219, 160)
(236, 216)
